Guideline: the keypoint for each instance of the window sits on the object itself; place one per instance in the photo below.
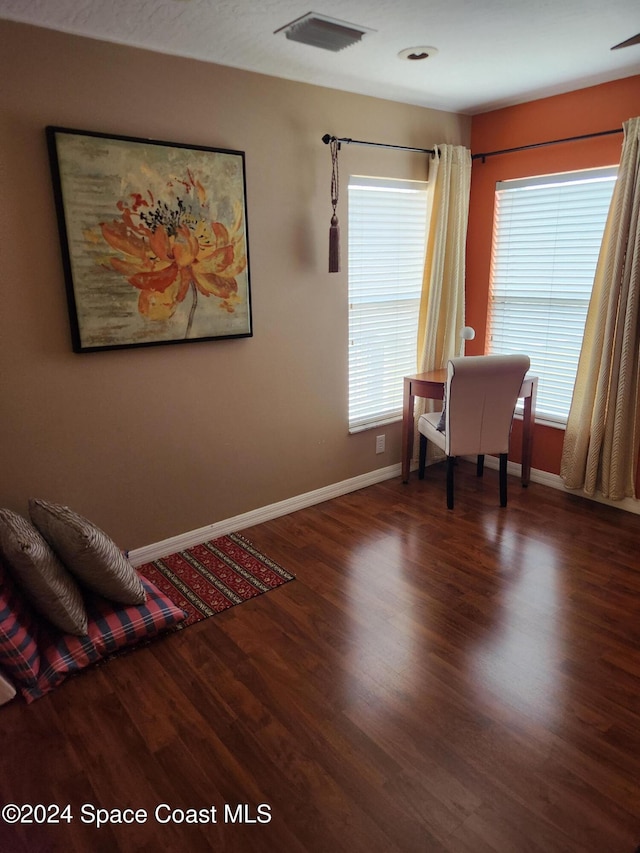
(546, 240)
(387, 232)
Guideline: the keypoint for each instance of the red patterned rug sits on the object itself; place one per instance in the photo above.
(209, 578)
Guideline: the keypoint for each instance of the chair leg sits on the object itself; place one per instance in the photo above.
(480, 465)
(422, 457)
(451, 461)
(503, 479)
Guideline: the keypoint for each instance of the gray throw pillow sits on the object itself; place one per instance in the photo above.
(39, 573)
(89, 554)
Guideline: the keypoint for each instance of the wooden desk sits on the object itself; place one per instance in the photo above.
(431, 385)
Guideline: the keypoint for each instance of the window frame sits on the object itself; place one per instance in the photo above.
(379, 291)
(563, 181)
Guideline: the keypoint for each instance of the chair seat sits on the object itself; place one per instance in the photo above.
(427, 424)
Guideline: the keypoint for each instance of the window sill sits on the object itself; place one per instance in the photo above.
(548, 422)
(392, 419)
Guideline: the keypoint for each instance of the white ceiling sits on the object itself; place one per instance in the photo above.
(491, 53)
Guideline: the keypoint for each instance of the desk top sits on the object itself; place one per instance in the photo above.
(439, 377)
(430, 376)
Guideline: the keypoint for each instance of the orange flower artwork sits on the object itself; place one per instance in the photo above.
(154, 240)
(167, 252)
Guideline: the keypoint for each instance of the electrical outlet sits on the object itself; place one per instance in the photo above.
(380, 443)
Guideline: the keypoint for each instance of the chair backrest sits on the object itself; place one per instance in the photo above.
(482, 392)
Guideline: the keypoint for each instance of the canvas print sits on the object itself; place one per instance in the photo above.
(154, 240)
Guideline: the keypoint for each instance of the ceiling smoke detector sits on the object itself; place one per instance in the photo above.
(321, 31)
(415, 54)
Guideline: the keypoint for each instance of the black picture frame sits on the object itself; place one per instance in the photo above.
(154, 240)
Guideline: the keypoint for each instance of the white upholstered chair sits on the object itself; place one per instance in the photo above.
(481, 395)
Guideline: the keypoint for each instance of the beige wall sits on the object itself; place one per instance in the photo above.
(154, 442)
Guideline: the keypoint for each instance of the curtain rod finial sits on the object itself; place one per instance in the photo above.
(327, 138)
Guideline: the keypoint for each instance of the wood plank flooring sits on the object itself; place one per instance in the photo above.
(433, 681)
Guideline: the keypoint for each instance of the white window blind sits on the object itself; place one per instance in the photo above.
(387, 232)
(546, 240)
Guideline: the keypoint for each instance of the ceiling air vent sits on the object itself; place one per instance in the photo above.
(320, 31)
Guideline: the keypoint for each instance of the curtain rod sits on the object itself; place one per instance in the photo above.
(327, 138)
(486, 154)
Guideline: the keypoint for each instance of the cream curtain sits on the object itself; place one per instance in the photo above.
(442, 303)
(601, 440)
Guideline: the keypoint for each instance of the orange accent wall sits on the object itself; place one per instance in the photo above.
(585, 111)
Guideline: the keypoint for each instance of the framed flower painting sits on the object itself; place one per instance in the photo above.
(154, 240)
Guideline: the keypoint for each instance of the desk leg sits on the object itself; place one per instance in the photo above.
(407, 430)
(528, 423)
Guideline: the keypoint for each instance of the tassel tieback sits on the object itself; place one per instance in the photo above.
(334, 245)
(334, 230)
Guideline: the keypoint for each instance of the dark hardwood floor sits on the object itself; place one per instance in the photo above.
(464, 681)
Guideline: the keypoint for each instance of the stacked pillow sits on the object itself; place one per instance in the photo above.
(56, 555)
(39, 573)
(19, 653)
(90, 555)
(73, 575)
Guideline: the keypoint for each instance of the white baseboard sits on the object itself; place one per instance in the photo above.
(554, 481)
(231, 525)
